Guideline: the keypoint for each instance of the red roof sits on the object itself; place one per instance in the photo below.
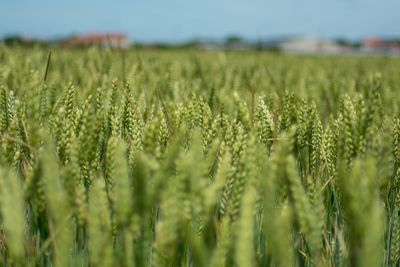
(373, 43)
(96, 39)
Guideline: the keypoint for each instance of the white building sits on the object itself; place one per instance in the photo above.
(311, 46)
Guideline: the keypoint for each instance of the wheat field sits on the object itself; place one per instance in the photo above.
(195, 158)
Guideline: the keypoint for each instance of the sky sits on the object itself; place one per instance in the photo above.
(182, 20)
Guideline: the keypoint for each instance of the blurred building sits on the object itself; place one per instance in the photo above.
(380, 46)
(208, 45)
(312, 46)
(106, 40)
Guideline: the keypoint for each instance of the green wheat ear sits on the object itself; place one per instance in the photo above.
(3, 110)
(316, 140)
(215, 189)
(99, 226)
(245, 229)
(69, 101)
(396, 154)
(348, 120)
(44, 103)
(220, 253)
(395, 238)
(359, 193)
(277, 218)
(12, 209)
(306, 218)
(123, 185)
(264, 123)
(58, 206)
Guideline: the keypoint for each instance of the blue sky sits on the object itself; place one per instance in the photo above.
(180, 20)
